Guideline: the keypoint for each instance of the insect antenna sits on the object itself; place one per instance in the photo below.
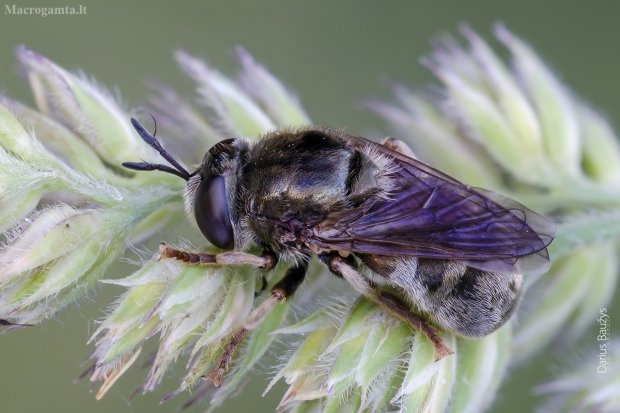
(147, 166)
(8, 323)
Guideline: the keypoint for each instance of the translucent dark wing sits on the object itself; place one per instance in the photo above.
(433, 215)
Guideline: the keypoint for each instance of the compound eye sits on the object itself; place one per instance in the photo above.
(211, 210)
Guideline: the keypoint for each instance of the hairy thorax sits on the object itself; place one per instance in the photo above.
(288, 195)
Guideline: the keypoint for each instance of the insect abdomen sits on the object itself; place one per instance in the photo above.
(463, 299)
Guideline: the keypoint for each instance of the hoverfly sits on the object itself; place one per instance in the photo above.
(457, 252)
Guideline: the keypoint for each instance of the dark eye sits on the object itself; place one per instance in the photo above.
(211, 210)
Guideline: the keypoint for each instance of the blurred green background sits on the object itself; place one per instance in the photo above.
(332, 54)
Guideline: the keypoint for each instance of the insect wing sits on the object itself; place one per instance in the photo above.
(429, 214)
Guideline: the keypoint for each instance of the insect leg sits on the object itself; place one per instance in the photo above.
(266, 261)
(263, 286)
(345, 268)
(398, 146)
(284, 289)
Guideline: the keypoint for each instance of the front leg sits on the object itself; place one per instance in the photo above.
(266, 261)
(346, 268)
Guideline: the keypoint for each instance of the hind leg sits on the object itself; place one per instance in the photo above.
(465, 300)
(345, 268)
(398, 146)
